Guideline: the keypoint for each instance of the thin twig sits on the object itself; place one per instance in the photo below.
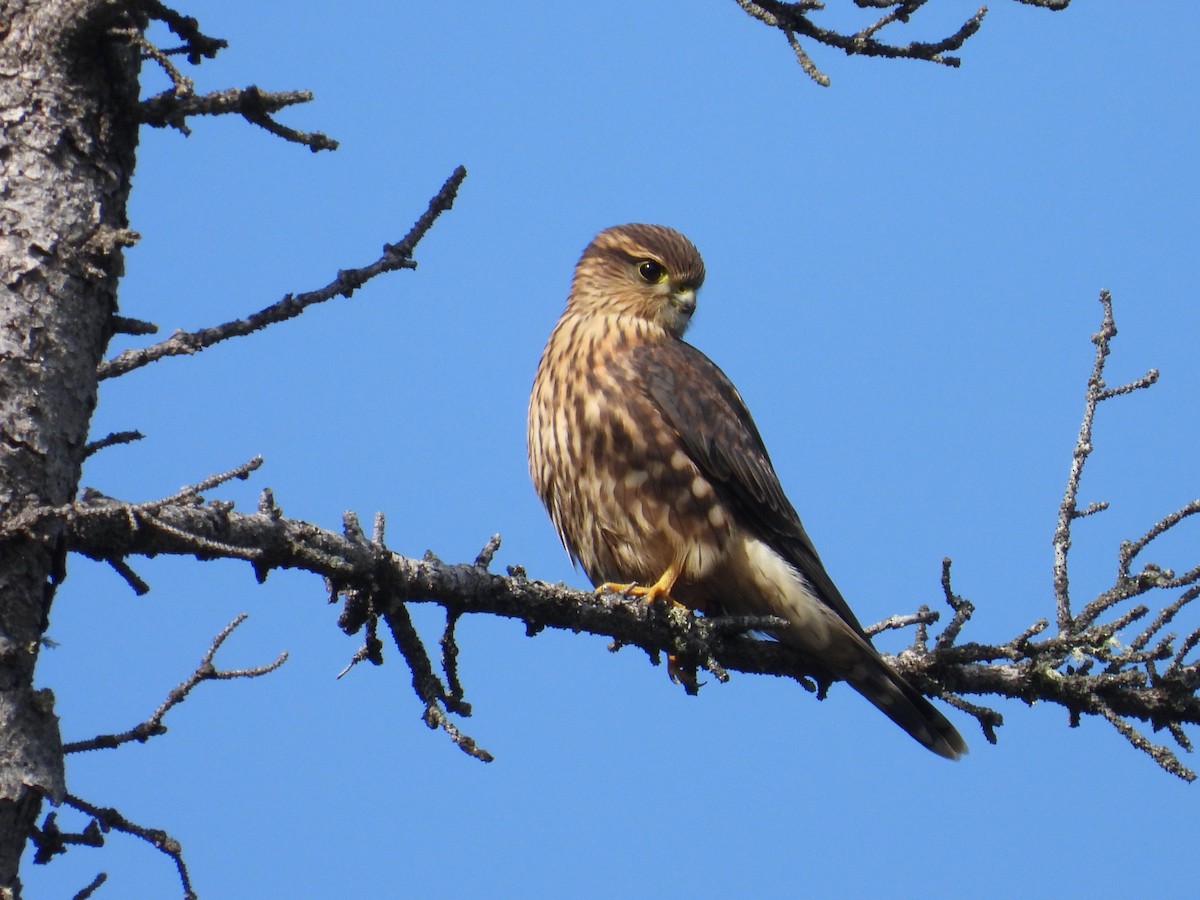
(197, 45)
(127, 325)
(962, 607)
(426, 684)
(484, 559)
(454, 689)
(1166, 760)
(395, 256)
(205, 671)
(893, 623)
(171, 109)
(795, 21)
(131, 577)
(1164, 617)
(1130, 551)
(112, 819)
(1083, 448)
(91, 889)
(189, 493)
(50, 840)
(111, 440)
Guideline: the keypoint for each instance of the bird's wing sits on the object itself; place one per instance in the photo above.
(701, 404)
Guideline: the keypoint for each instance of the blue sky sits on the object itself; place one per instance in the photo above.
(903, 273)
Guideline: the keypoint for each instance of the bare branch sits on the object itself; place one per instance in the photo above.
(131, 577)
(806, 63)
(50, 840)
(110, 819)
(427, 685)
(989, 720)
(1130, 551)
(91, 888)
(171, 109)
(196, 45)
(205, 671)
(1024, 668)
(182, 84)
(484, 559)
(111, 440)
(454, 698)
(191, 493)
(891, 623)
(395, 256)
(796, 21)
(126, 325)
(962, 607)
(1069, 510)
(1177, 666)
(1161, 755)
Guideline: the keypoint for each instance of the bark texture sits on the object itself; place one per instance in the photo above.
(68, 90)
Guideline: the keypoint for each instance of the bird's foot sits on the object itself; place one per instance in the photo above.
(657, 592)
(616, 587)
(660, 593)
(660, 590)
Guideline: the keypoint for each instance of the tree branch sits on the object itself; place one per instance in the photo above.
(170, 109)
(1069, 510)
(1022, 668)
(795, 20)
(50, 840)
(395, 256)
(110, 819)
(205, 671)
(197, 45)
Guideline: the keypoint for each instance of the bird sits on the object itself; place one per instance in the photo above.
(658, 481)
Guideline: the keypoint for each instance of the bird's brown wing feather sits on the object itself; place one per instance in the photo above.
(704, 408)
(712, 422)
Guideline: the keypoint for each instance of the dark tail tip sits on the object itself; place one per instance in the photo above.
(900, 702)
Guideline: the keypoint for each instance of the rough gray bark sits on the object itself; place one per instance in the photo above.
(68, 89)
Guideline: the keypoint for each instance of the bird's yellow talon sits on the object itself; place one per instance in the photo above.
(659, 591)
(616, 588)
(649, 594)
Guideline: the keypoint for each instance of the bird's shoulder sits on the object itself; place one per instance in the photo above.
(705, 409)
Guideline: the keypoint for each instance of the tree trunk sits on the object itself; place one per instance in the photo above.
(68, 92)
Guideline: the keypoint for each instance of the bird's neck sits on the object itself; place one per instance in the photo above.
(609, 328)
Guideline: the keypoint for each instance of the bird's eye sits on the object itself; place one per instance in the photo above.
(651, 272)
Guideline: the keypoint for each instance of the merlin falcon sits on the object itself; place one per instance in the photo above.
(657, 480)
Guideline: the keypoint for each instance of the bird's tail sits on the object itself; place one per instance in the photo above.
(900, 702)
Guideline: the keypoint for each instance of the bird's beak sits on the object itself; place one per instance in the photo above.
(684, 300)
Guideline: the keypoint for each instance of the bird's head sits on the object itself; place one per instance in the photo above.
(648, 271)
